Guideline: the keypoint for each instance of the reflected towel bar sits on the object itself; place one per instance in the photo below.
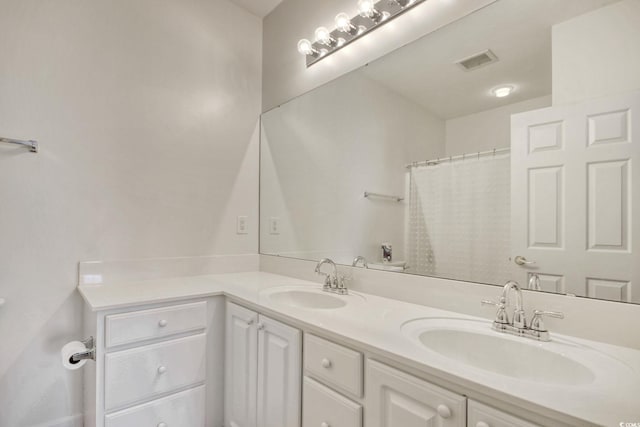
(32, 145)
(383, 196)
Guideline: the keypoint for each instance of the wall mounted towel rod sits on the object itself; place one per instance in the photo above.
(383, 196)
(32, 145)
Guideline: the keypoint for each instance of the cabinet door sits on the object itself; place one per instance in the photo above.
(241, 365)
(485, 416)
(279, 374)
(395, 399)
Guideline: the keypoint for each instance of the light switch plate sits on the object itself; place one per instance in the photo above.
(274, 225)
(242, 225)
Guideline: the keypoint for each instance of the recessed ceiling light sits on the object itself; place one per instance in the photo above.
(502, 91)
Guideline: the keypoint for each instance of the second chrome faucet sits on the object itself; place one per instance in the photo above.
(333, 282)
(517, 325)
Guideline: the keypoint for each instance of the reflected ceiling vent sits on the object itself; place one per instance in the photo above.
(478, 60)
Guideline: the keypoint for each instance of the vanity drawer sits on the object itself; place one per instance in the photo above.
(334, 364)
(322, 406)
(135, 326)
(143, 372)
(185, 409)
(480, 415)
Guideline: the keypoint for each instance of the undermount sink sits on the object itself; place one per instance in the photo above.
(474, 344)
(311, 298)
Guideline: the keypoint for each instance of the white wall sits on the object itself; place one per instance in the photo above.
(323, 150)
(487, 130)
(146, 112)
(596, 54)
(284, 72)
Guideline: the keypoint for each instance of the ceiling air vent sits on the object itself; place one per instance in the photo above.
(478, 60)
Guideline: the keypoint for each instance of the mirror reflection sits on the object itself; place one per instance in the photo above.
(496, 148)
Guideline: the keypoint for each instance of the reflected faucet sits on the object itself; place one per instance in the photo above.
(333, 282)
(358, 259)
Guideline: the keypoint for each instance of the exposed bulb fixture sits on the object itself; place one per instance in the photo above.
(343, 24)
(306, 48)
(502, 91)
(367, 9)
(323, 36)
(372, 14)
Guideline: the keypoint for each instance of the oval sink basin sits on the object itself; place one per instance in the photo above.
(475, 344)
(310, 298)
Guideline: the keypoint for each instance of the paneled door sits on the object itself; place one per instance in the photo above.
(241, 367)
(575, 186)
(279, 374)
(397, 399)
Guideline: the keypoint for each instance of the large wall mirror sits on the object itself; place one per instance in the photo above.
(502, 146)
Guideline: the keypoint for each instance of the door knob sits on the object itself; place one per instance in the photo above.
(520, 260)
(444, 411)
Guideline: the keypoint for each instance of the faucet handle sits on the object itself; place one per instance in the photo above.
(501, 315)
(537, 324)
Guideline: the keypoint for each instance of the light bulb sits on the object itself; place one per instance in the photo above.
(306, 48)
(502, 91)
(324, 36)
(343, 23)
(366, 8)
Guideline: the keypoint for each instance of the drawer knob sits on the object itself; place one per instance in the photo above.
(250, 322)
(444, 411)
(162, 370)
(326, 363)
(162, 424)
(162, 324)
(482, 424)
(261, 326)
(324, 424)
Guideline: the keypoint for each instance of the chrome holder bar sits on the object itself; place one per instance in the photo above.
(88, 354)
(367, 195)
(32, 145)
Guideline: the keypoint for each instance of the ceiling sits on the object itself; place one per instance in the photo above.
(259, 8)
(517, 31)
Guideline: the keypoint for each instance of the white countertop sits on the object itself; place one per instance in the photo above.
(374, 324)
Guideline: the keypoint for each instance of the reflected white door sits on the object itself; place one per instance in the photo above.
(575, 186)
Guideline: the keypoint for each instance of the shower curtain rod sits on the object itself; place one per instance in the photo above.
(477, 155)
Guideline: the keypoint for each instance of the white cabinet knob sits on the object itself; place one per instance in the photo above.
(162, 370)
(444, 411)
(250, 322)
(162, 424)
(482, 424)
(326, 363)
(324, 424)
(260, 326)
(162, 323)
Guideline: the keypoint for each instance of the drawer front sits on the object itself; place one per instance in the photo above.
(184, 409)
(334, 364)
(481, 415)
(127, 328)
(324, 407)
(143, 372)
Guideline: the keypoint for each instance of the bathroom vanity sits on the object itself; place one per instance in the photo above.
(258, 349)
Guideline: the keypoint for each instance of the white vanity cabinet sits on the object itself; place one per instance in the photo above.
(156, 365)
(395, 398)
(263, 371)
(480, 415)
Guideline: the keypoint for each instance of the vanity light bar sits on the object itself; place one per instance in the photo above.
(371, 15)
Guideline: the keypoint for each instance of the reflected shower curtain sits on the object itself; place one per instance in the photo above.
(459, 219)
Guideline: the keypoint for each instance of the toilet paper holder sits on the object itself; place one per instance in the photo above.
(89, 353)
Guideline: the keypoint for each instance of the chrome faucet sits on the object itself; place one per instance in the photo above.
(358, 259)
(518, 324)
(333, 282)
